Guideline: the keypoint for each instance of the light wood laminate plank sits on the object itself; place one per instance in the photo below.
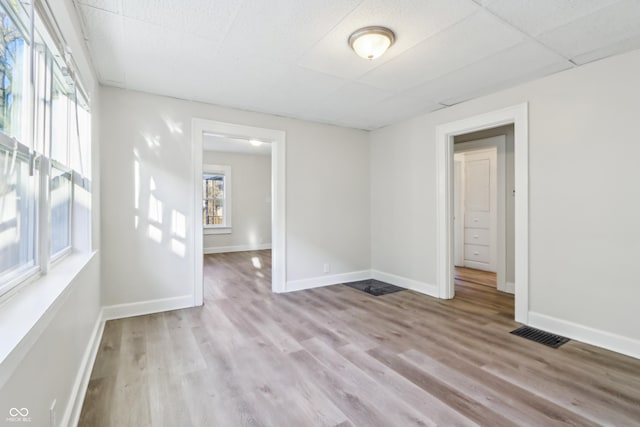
(336, 356)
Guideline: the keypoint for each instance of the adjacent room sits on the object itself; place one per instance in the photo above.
(331, 213)
(236, 206)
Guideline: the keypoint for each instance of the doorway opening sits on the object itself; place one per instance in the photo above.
(239, 197)
(446, 137)
(483, 212)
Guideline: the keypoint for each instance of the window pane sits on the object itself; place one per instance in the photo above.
(60, 210)
(81, 217)
(205, 188)
(218, 211)
(84, 121)
(213, 212)
(60, 125)
(213, 186)
(42, 73)
(17, 215)
(79, 136)
(218, 187)
(213, 199)
(207, 211)
(13, 55)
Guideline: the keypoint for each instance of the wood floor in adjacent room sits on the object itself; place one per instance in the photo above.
(338, 356)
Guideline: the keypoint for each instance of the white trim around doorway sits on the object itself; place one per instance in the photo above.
(445, 133)
(277, 138)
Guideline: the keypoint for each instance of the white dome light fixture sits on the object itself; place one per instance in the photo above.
(371, 42)
(255, 142)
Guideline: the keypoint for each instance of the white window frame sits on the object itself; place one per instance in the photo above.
(40, 155)
(10, 280)
(61, 253)
(225, 227)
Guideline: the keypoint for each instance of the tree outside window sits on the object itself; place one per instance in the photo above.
(216, 196)
(213, 201)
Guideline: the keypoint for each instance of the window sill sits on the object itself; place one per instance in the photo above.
(25, 314)
(217, 230)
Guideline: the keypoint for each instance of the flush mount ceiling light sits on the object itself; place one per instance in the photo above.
(255, 142)
(371, 42)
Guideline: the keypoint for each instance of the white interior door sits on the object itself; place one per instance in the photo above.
(481, 209)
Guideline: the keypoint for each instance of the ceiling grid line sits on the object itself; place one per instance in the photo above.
(528, 36)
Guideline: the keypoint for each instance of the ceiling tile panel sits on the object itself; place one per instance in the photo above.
(151, 48)
(412, 20)
(237, 82)
(477, 37)
(347, 100)
(296, 80)
(601, 30)
(514, 79)
(300, 90)
(608, 50)
(526, 60)
(283, 29)
(538, 16)
(206, 18)
(392, 110)
(113, 6)
(107, 44)
(168, 62)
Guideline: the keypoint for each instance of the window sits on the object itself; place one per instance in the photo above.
(70, 130)
(216, 198)
(60, 184)
(17, 216)
(45, 142)
(14, 76)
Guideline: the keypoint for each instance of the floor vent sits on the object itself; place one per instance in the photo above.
(542, 337)
(375, 287)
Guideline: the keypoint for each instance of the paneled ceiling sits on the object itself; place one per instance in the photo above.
(291, 57)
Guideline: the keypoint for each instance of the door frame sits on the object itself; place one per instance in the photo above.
(458, 214)
(445, 133)
(277, 138)
(497, 143)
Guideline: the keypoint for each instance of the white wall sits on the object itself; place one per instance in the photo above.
(54, 350)
(327, 212)
(50, 368)
(250, 201)
(584, 194)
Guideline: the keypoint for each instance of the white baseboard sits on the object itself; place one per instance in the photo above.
(613, 342)
(509, 287)
(404, 282)
(120, 311)
(354, 276)
(334, 279)
(237, 248)
(74, 406)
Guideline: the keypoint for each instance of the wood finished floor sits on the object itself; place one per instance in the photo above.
(336, 356)
(468, 276)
